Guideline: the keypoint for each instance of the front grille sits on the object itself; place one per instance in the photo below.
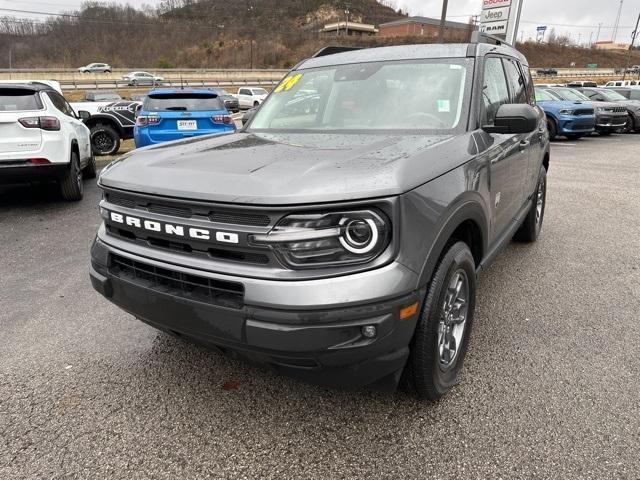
(584, 111)
(176, 209)
(192, 287)
(619, 110)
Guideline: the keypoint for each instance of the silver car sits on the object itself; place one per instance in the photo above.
(142, 78)
(95, 68)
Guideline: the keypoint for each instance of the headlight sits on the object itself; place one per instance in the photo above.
(601, 109)
(566, 112)
(328, 238)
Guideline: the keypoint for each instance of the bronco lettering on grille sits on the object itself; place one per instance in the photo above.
(173, 229)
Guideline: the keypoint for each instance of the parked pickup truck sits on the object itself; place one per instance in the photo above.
(110, 123)
(249, 97)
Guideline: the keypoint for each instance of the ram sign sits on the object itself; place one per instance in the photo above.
(501, 18)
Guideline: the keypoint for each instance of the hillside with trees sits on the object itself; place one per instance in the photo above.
(221, 34)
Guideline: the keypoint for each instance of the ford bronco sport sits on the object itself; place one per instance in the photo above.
(338, 243)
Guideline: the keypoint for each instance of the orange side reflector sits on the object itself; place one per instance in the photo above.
(409, 311)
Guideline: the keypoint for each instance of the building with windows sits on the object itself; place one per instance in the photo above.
(426, 27)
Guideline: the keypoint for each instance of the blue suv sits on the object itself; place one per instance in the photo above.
(570, 119)
(174, 114)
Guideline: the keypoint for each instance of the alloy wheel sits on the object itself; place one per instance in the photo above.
(453, 319)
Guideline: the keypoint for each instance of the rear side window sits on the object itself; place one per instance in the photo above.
(634, 94)
(518, 87)
(17, 99)
(181, 101)
(494, 89)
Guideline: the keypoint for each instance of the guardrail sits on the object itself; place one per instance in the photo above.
(176, 82)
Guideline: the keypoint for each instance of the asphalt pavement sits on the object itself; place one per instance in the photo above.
(550, 387)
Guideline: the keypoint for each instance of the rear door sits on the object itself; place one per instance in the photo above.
(245, 98)
(16, 140)
(68, 120)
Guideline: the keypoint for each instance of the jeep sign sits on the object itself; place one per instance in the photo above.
(501, 18)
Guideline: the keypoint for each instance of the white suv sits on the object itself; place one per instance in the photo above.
(42, 138)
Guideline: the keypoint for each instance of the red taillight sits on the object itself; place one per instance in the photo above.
(39, 161)
(44, 123)
(226, 119)
(142, 120)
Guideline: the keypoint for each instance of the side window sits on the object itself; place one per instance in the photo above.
(494, 89)
(243, 91)
(518, 88)
(593, 95)
(60, 103)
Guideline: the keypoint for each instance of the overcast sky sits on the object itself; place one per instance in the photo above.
(579, 18)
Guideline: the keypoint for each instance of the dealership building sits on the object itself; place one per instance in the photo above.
(425, 27)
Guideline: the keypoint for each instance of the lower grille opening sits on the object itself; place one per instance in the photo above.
(162, 243)
(194, 287)
(239, 256)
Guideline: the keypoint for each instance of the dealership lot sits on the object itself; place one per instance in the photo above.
(550, 386)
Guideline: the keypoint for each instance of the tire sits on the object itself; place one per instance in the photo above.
(134, 83)
(72, 185)
(90, 170)
(573, 137)
(530, 228)
(255, 104)
(553, 129)
(430, 373)
(107, 71)
(630, 126)
(104, 140)
(605, 133)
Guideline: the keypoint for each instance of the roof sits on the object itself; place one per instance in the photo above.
(165, 91)
(425, 20)
(36, 86)
(410, 52)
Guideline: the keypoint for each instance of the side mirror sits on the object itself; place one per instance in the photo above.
(84, 115)
(138, 108)
(514, 118)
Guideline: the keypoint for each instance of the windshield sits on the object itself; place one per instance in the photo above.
(544, 96)
(572, 95)
(611, 95)
(180, 101)
(104, 97)
(400, 95)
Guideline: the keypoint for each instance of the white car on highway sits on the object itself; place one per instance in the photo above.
(142, 78)
(42, 138)
(249, 97)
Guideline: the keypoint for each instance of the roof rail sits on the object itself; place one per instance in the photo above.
(332, 49)
(480, 37)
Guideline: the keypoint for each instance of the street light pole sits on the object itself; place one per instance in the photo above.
(443, 17)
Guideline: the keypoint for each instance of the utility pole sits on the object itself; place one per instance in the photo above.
(634, 34)
(346, 25)
(443, 18)
(590, 38)
(617, 24)
(598, 34)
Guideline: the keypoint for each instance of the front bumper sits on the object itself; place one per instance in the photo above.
(306, 329)
(576, 125)
(610, 122)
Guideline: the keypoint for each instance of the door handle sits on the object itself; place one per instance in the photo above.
(524, 144)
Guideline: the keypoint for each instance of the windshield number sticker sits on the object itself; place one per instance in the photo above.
(443, 106)
(288, 83)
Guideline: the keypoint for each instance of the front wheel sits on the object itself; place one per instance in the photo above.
(440, 341)
(553, 129)
(255, 104)
(574, 136)
(530, 228)
(629, 127)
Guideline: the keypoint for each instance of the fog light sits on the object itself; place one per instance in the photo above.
(369, 331)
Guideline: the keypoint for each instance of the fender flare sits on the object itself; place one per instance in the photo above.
(468, 208)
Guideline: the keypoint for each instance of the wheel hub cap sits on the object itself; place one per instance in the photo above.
(453, 319)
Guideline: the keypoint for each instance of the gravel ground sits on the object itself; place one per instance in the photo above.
(550, 387)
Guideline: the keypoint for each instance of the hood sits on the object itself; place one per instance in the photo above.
(279, 169)
(565, 104)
